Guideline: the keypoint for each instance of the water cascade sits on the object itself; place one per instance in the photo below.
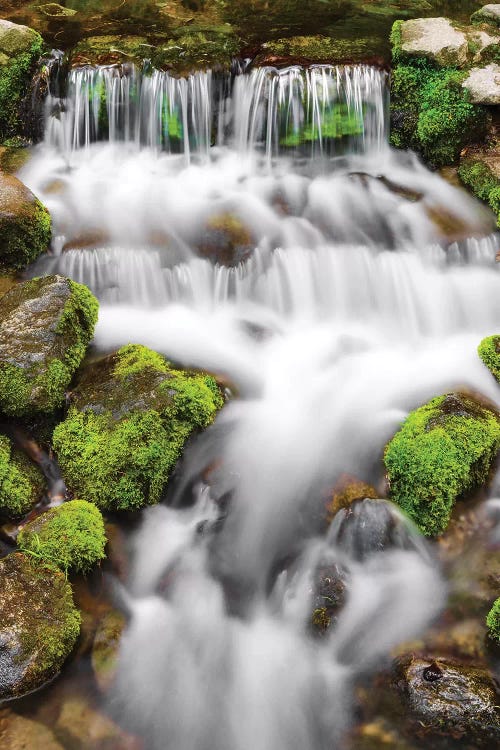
(358, 284)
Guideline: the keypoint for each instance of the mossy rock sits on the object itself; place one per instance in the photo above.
(111, 49)
(493, 621)
(54, 10)
(489, 351)
(320, 49)
(226, 240)
(39, 624)
(444, 450)
(489, 14)
(477, 175)
(131, 415)
(20, 49)
(21, 483)
(20, 733)
(25, 227)
(197, 48)
(71, 537)
(46, 325)
(346, 491)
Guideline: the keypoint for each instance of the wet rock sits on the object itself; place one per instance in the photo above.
(130, 417)
(21, 483)
(20, 733)
(329, 596)
(20, 48)
(479, 170)
(39, 624)
(487, 14)
(444, 450)
(83, 727)
(105, 648)
(24, 224)
(483, 84)
(45, 327)
(369, 526)
(450, 699)
(226, 240)
(346, 491)
(435, 39)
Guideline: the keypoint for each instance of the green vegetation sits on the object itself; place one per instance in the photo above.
(21, 484)
(38, 384)
(431, 112)
(15, 77)
(480, 179)
(119, 451)
(443, 450)
(25, 236)
(71, 537)
(493, 621)
(489, 351)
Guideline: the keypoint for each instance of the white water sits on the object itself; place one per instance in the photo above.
(352, 309)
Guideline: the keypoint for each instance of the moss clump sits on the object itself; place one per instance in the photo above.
(15, 77)
(489, 351)
(131, 418)
(21, 484)
(25, 236)
(71, 537)
(480, 179)
(39, 357)
(493, 621)
(430, 110)
(443, 450)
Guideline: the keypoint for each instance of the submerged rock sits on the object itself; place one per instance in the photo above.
(24, 224)
(39, 624)
(319, 49)
(443, 450)
(131, 415)
(483, 84)
(105, 648)
(20, 48)
(19, 733)
(346, 491)
(329, 596)
(450, 699)
(86, 728)
(45, 327)
(21, 483)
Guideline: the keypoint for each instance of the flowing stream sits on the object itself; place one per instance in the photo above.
(359, 284)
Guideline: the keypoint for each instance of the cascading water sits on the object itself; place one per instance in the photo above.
(365, 285)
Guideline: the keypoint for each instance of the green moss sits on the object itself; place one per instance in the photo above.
(197, 48)
(18, 490)
(493, 621)
(480, 179)
(78, 320)
(15, 78)
(25, 236)
(120, 452)
(443, 450)
(70, 537)
(489, 351)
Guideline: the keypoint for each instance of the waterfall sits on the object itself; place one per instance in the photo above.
(257, 225)
(321, 110)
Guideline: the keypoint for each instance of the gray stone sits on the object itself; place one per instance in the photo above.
(483, 84)
(488, 14)
(435, 39)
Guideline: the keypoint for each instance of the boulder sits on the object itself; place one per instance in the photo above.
(487, 14)
(24, 224)
(39, 624)
(19, 733)
(435, 39)
(450, 699)
(45, 327)
(443, 450)
(130, 417)
(21, 483)
(20, 49)
(483, 84)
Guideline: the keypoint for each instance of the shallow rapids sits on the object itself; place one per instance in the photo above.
(364, 288)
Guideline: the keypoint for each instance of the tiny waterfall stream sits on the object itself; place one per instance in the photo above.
(348, 306)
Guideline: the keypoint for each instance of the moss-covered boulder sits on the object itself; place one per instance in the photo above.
(130, 418)
(20, 48)
(446, 699)
(443, 450)
(493, 621)
(21, 482)
(70, 537)
(480, 173)
(489, 351)
(45, 327)
(226, 240)
(24, 225)
(431, 110)
(435, 39)
(320, 49)
(39, 624)
(489, 14)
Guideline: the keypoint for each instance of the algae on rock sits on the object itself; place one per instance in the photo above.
(46, 325)
(443, 450)
(131, 415)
